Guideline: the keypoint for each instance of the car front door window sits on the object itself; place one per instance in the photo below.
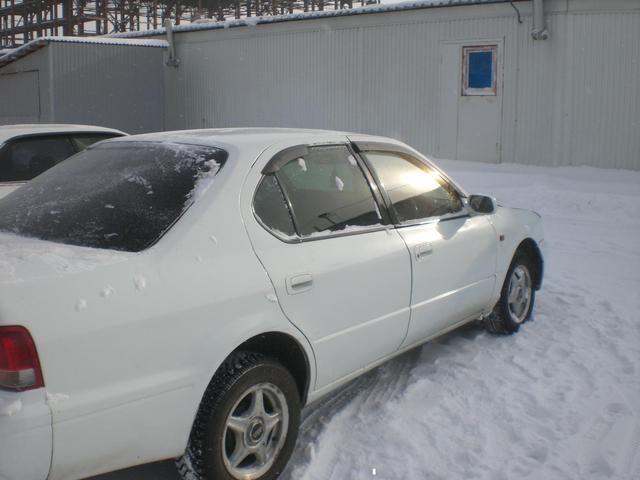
(416, 191)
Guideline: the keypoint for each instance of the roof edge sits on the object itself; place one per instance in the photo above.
(38, 43)
(294, 17)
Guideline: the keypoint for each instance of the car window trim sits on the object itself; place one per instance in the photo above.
(387, 204)
(405, 153)
(283, 238)
(289, 154)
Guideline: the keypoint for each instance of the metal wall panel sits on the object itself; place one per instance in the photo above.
(113, 86)
(605, 100)
(24, 90)
(572, 99)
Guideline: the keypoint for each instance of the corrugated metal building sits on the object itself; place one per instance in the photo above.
(455, 78)
(108, 82)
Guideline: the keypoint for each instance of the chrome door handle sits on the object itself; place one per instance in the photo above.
(298, 283)
(422, 250)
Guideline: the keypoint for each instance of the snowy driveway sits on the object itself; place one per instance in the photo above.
(558, 400)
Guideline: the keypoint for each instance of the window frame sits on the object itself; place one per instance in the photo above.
(466, 90)
(364, 147)
(286, 155)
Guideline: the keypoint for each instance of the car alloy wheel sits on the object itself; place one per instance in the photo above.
(519, 294)
(255, 431)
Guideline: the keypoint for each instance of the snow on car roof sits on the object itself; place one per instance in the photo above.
(10, 131)
(233, 136)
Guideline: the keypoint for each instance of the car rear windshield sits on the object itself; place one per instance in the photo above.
(116, 195)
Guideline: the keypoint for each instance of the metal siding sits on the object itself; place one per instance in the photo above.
(277, 80)
(569, 100)
(605, 104)
(536, 83)
(380, 74)
(113, 86)
(14, 102)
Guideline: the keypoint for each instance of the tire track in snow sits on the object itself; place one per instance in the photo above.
(366, 393)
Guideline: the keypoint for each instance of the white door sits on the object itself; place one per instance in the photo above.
(453, 254)
(341, 277)
(470, 110)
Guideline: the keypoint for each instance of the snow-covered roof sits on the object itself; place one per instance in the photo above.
(253, 21)
(235, 136)
(12, 131)
(38, 43)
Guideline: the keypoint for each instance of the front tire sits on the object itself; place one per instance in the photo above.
(247, 423)
(516, 298)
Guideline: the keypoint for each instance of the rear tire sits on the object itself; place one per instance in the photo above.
(247, 423)
(516, 298)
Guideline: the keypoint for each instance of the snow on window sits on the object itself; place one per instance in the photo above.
(303, 164)
(104, 206)
(339, 184)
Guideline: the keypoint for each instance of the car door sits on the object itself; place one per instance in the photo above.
(453, 253)
(341, 272)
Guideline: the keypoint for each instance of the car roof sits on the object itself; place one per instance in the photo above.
(245, 137)
(11, 131)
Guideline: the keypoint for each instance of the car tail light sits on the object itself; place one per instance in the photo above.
(19, 364)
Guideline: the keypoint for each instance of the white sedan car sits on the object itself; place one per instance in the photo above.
(28, 150)
(184, 294)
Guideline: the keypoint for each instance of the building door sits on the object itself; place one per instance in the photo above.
(19, 97)
(470, 93)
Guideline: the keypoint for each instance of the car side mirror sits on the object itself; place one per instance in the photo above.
(482, 204)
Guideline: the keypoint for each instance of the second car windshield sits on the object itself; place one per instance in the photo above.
(116, 195)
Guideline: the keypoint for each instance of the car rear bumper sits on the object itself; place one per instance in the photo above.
(25, 435)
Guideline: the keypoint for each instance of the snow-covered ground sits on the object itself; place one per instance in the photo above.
(558, 400)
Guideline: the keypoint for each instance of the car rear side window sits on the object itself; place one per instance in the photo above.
(117, 195)
(25, 158)
(328, 192)
(416, 190)
(271, 207)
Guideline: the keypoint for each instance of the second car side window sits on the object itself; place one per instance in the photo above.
(328, 191)
(416, 191)
(25, 158)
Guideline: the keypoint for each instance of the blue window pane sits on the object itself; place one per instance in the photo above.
(480, 69)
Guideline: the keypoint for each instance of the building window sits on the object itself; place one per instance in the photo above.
(479, 70)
